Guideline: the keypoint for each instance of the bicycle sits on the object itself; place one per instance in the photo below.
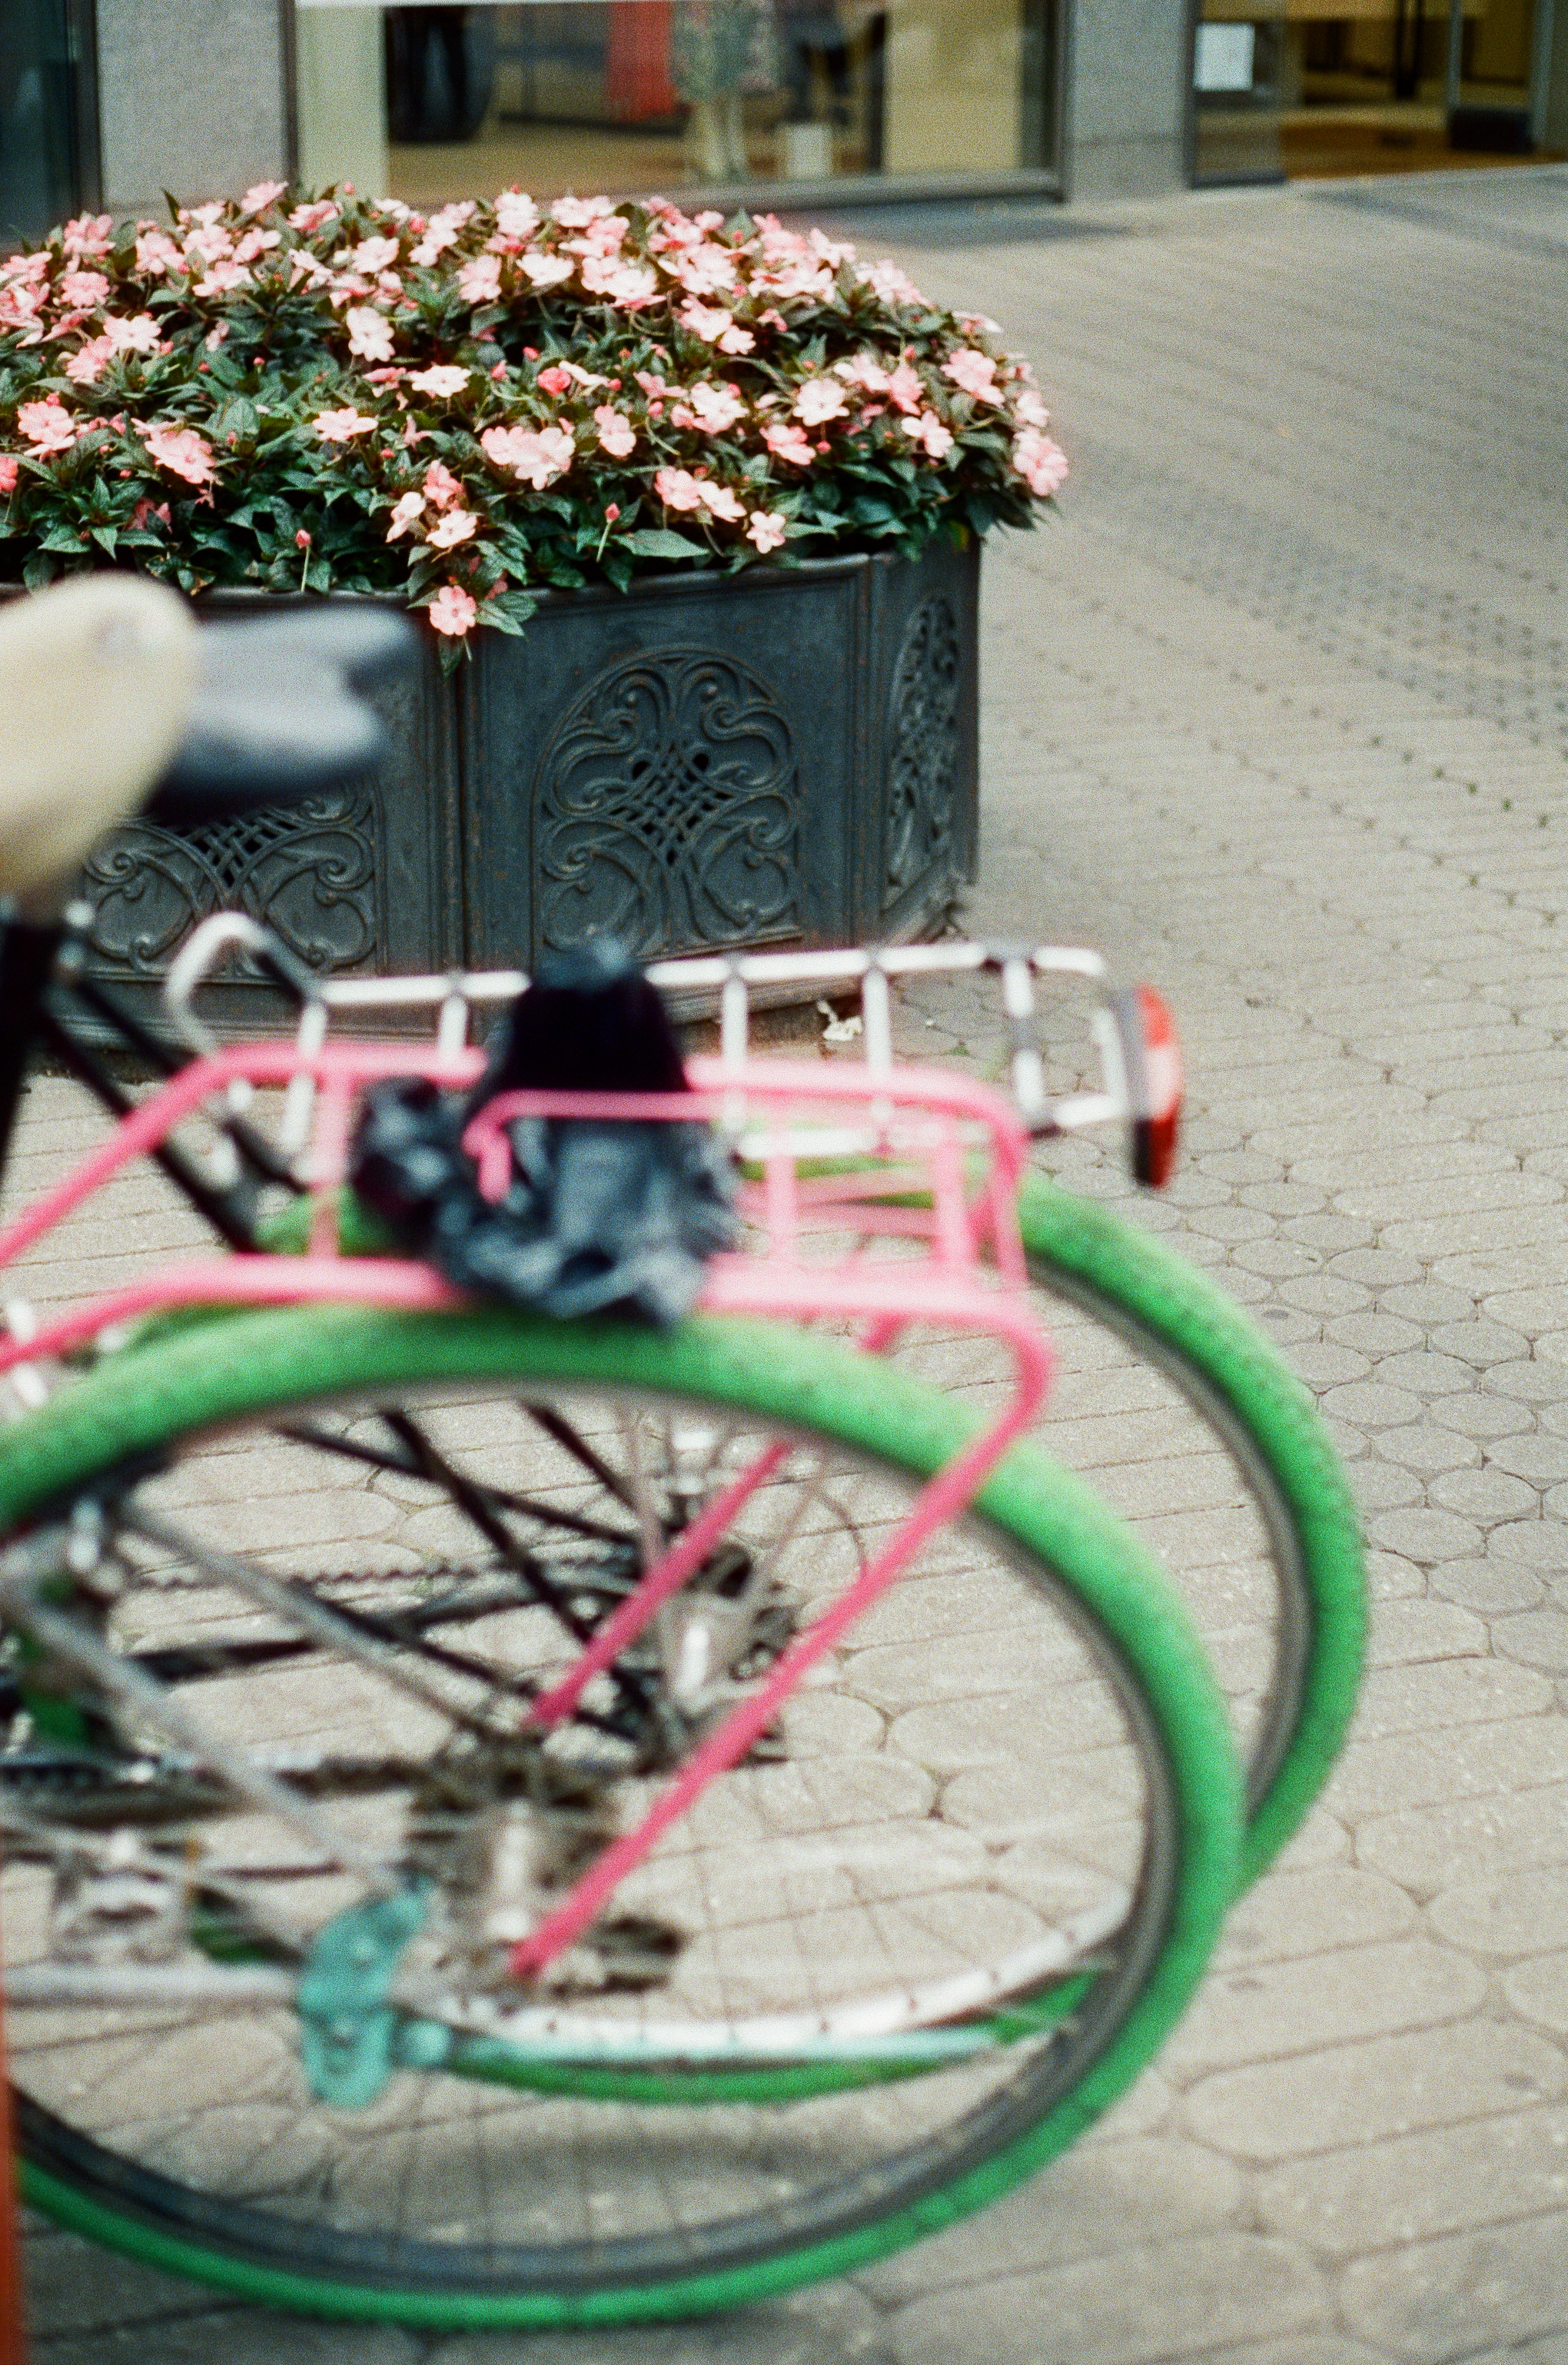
(598, 1726)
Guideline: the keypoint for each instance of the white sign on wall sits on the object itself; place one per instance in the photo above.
(1223, 57)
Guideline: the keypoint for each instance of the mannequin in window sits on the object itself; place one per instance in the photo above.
(719, 50)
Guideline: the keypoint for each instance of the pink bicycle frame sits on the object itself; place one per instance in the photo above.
(918, 1135)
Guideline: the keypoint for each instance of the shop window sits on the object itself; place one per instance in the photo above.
(48, 126)
(435, 102)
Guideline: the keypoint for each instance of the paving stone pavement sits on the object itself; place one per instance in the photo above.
(1276, 712)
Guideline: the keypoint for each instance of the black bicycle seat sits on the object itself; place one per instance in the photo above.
(280, 714)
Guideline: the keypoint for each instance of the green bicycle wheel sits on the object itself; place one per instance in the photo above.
(1179, 1323)
(888, 1966)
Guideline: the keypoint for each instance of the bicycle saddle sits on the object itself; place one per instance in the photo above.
(112, 697)
(97, 680)
(278, 713)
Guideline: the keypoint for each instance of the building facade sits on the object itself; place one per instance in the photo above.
(111, 102)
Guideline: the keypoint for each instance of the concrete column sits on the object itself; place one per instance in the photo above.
(343, 100)
(1126, 117)
(1551, 98)
(192, 97)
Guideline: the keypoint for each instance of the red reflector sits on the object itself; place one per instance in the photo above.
(1153, 1059)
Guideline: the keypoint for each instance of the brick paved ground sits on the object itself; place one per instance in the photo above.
(1278, 713)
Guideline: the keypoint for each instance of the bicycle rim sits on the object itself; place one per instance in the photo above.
(397, 2210)
(1306, 1531)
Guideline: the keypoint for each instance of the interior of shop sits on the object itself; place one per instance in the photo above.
(1316, 88)
(633, 95)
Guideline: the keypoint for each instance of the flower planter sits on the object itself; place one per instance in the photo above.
(787, 757)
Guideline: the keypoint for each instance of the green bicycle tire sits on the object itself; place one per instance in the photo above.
(1236, 1379)
(255, 1363)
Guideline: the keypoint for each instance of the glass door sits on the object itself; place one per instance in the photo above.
(48, 162)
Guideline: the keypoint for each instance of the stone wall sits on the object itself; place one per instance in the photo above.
(1126, 128)
(192, 98)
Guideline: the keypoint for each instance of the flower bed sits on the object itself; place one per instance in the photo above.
(329, 394)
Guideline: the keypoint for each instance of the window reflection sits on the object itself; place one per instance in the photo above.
(42, 103)
(643, 95)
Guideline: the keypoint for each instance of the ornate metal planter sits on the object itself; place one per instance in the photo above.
(785, 756)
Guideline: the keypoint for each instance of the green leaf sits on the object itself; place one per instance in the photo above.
(658, 542)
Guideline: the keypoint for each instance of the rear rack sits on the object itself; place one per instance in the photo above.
(1132, 1031)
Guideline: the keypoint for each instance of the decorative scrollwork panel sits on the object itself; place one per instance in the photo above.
(923, 767)
(667, 809)
(309, 873)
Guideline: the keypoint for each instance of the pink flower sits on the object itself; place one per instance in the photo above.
(612, 510)
(305, 218)
(87, 364)
(517, 216)
(1040, 463)
(616, 433)
(788, 442)
(302, 540)
(441, 487)
(576, 213)
(89, 234)
(905, 389)
(370, 333)
(457, 525)
(709, 322)
(677, 489)
(8, 472)
(256, 244)
(627, 283)
(222, 278)
(147, 507)
(555, 380)
(48, 426)
(154, 254)
(443, 379)
(215, 337)
(373, 255)
(538, 456)
(711, 408)
(931, 432)
(480, 280)
(207, 241)
(548, 270)
(721, 502)
(260, 196)
(18, 314)
(737, 341)
(1029, 409)
(138, 335)
(182, 451)
(863, 370)
(706, 270)
(405, 514)
(606, 236)
(895, 286)
(86, 289)
(441, 231)
(820, 398)
(975, 371)
(453, 612)
(343, 426)
(767, 529)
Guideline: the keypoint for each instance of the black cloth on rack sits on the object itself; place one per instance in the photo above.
(602, 1215)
